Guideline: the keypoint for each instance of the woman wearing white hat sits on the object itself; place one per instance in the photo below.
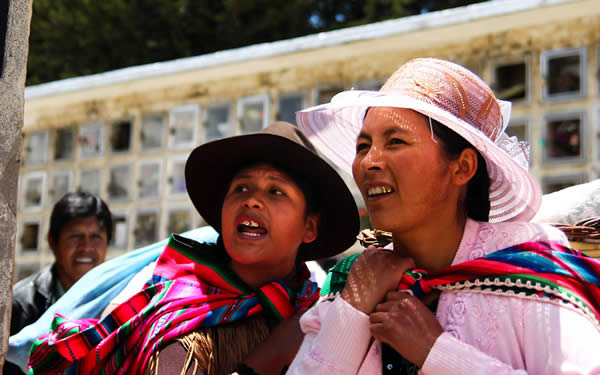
(430, 156)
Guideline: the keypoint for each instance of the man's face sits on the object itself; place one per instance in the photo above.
(81, 246)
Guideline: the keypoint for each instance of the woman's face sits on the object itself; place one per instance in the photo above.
(264, 221)
(401, 170)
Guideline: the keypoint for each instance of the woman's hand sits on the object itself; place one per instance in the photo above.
(278, 350)
(373, 274)
(405, 323)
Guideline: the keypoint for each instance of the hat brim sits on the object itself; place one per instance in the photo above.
(210, 168)
(334, 127)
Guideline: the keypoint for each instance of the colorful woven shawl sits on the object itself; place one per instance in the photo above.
(191, 289)
(546, 271)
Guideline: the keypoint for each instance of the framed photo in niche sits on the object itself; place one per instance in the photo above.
(119, 182)
(564, 74)
(565, 138)
(254, 113)
(120, 238)
(146, 227)
(90, 180)
(30, 235)
(62, 183)
(179, 220)
(153, 132)
(288, 105)
(184, 126)
(148, 179)
(36, 149)
(217, 122)
(176, 179)
(91, 140)
(64, 144)
(120, 136)
(511, 81)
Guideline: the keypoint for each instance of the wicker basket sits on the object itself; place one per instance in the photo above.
(584, 235)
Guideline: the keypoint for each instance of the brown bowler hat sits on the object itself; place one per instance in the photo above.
(211, 166)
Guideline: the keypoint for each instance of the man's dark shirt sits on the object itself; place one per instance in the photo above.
(32, 296)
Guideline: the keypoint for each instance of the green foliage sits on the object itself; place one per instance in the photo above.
(78, 37)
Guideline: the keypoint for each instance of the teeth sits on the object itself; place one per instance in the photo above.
(251, 234)
(84, 260)
(379, 190)
(250, 223)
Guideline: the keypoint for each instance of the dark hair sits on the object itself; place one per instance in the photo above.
(78, 205)
(477, 203)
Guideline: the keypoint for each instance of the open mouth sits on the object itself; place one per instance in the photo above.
(378, 191)
(250, 228)
(84, 260)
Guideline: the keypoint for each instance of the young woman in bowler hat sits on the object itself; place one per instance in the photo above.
(275, 204)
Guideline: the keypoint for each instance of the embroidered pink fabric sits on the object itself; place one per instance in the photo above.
(485, 334)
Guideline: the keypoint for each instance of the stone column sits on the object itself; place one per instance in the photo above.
(15, 18)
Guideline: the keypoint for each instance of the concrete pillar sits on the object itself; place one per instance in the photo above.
(15, 18)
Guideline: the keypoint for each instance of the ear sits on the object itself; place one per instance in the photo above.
(465, 167)
(311, 229)
(51, 243)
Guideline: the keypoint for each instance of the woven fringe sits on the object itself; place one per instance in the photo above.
(218, 350)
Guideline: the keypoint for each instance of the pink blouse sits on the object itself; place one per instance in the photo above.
(485, 334)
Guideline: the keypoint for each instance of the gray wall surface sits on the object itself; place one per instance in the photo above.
(12, 82)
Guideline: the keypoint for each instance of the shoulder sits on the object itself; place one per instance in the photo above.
(337, 276)
(482, 238)
(527, 232)
(33, 282)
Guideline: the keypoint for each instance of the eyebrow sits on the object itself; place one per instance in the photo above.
(390, 131)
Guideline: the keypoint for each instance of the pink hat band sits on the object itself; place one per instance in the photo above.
(449, 87)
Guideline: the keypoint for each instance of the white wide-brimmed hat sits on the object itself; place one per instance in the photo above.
(451, 95)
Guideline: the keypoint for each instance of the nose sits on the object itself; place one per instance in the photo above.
(253, 202)
(373, 160)
(85, 242)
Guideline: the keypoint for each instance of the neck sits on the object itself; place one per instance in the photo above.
(257, 276)
(432, 247)
(65, 282)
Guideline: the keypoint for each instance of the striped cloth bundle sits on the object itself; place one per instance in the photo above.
(191, 288)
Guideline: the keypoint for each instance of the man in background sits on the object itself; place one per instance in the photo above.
(80, 229)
